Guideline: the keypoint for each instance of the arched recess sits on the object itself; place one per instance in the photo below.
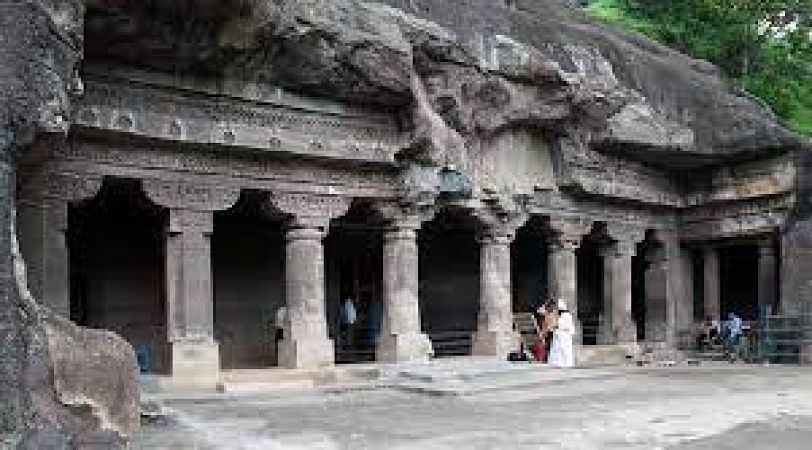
(247, 272)
(116, 260)
(449, 281)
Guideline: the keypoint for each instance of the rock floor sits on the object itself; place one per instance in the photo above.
(630, 408)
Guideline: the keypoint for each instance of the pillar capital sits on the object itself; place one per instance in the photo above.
(308, 210)
(570, 228)
(71, 187)
(620, 249)
(625, 232)
(766, 249)
(561, 242)
(498, 228)
(190, 194)
(190, 221)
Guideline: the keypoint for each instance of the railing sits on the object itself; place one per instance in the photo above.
(782, 339)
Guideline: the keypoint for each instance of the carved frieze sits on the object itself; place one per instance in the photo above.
(168, 113)
(244, 170)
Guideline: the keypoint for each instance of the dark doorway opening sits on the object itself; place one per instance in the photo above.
(354, 252)
(590, 290)
(529, 264)
(247, 266)
(117, 263)
(738, 267)
(449, 282)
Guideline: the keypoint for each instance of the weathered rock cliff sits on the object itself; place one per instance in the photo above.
(60, 386)
(468, 68)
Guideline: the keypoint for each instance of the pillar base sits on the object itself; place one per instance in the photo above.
(394, 348)
(306, 353)
(495, 343)
(195, 365)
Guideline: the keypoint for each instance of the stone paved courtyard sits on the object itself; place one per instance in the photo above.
(683, 407)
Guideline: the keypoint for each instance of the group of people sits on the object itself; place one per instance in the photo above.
(555, 328)
(727, 333)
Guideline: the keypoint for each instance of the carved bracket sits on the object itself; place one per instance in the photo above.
(190, 194)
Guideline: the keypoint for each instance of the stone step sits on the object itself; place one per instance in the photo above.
(484, 376)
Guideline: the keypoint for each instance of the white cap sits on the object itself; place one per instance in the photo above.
(562, 305)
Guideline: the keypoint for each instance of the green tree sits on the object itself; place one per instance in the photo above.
(764, 46)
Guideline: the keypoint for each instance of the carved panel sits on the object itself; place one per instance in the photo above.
(193, 194)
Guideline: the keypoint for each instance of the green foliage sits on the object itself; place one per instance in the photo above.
(764, 46)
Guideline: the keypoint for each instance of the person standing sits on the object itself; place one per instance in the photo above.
(348, 318)
(280, 318)
(561, 353)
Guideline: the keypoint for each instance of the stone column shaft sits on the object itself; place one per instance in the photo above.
(190, 303)
(562, 275)
(712, 305)
(618, 276)
(306, 343)
(495, 335)
(401, 335)
(767, 276)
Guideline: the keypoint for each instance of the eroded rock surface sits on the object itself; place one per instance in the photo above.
(60, 386)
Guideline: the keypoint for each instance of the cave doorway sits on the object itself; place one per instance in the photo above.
(354, 259)
(115, 244)
(529, 266)
(247, 272)
(738, 281)
(449, 281)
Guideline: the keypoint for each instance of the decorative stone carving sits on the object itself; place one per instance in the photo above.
(495, 335)
(231, 119)
(70, 187)
(402, 338)
(192, 194)
(310, 210)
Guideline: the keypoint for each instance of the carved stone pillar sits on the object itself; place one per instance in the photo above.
(401, 336)
(712, 306)
(656, 285)
(42, 218)
(618, 290)
(306, 343)
(563, 272)
(679, 291)
(767, 276)
(190, 296)
(495, 335)
(562, 264)
(190, 302)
